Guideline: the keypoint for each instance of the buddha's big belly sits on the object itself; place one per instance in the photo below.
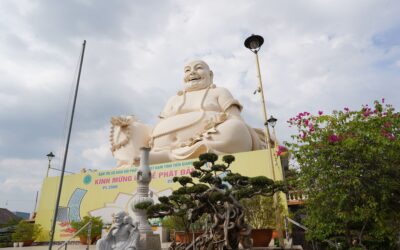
(179, 129)
(206, 127)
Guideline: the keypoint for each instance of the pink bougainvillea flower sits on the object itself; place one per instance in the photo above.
(320, 112)
(281, 150)
(367, 112)
(333, 138)
(387, 124)
(311, 127)
(302, 135)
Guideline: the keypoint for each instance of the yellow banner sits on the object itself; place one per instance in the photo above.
(103, 193)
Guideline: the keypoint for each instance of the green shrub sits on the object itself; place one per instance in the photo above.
(26, 231)
(97, 225)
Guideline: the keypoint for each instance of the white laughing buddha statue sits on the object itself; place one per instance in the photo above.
(200, 118)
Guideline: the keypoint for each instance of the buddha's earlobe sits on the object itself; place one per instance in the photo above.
(211, 77)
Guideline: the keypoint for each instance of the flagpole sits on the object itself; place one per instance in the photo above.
(53, 226)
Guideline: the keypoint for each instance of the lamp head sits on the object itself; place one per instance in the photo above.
(254, 43)
(272, 120)
(50, 156)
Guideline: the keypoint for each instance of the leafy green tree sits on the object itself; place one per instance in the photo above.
(292, 179)
(26, 231)
(350, 169)
(215, 194)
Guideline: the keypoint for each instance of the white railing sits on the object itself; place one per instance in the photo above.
(296, 197)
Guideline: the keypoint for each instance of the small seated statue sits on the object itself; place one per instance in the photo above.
(123, 234)
(200, 118)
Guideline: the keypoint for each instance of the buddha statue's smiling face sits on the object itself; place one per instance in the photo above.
(197, 75)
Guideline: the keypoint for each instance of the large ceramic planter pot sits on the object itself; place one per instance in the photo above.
(83, 240)
(261, 237)
(28, 243)
(186, 238)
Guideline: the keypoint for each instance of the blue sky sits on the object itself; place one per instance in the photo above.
(318, 55)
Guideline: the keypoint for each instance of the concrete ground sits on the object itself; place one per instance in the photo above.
(70, 247)
(164, 246)
(93, 247)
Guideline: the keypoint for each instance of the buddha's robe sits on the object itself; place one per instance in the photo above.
(200, 121)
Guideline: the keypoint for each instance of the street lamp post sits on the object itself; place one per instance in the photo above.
(272, 121)
(50, 156)
(254, 43)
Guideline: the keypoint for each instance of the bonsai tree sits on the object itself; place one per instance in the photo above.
(349, 167)
(215, 195)
(26, 231)
(97, 225)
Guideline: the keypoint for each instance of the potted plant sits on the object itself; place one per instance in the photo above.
(260, 214)
(97, 225)
(16, 239)
(182, 229)
(26, 233)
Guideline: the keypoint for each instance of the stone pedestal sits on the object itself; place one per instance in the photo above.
(149, 241)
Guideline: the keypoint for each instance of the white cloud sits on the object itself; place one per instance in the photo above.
(98, 156)
(19, 182)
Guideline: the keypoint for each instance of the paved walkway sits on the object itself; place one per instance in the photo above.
(70, 247)
(93, 247)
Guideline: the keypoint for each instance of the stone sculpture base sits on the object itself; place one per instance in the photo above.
(149, 241)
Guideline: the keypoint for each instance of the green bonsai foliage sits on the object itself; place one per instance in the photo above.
(349, 168)
(97, 225)
(26, 231)
(215, 193)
